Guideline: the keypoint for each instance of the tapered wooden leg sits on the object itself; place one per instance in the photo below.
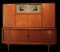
(8, 48)
(48, 48)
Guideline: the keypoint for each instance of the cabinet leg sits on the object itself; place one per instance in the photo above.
(8, 48)
(48, 48)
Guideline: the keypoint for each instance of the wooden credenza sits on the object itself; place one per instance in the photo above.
(29, 28)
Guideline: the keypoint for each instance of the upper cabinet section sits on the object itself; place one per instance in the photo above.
(28, 8)
(39, 15)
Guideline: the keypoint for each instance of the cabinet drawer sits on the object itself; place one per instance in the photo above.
(49, 36)
(18, 36)
(35, 36)
(43, 36)
(14, 36)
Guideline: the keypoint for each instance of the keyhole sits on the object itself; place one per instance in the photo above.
(28, 35)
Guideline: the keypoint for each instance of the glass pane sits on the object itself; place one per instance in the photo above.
(28, 8)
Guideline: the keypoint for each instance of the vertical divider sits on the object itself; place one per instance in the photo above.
(41, 16)
(15, 16)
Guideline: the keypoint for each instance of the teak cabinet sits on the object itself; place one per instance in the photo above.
(31, 27)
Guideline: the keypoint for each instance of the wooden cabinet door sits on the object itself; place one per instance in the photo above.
(42, 37)
(18, 36)
(14, 36)
(48, 37)
(35, 36)
(48, 15)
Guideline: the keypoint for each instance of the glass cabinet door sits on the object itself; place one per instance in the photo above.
(28, 8)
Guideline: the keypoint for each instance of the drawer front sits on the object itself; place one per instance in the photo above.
(14, 36)
(45, 36)
(18, 36)
(49, 36)
(35, 36)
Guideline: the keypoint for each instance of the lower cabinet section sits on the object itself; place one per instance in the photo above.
(29, 37)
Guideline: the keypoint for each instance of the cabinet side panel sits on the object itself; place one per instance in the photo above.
(48, 14)
(8, 15)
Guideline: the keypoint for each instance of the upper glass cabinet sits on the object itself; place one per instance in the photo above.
(28, 8)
